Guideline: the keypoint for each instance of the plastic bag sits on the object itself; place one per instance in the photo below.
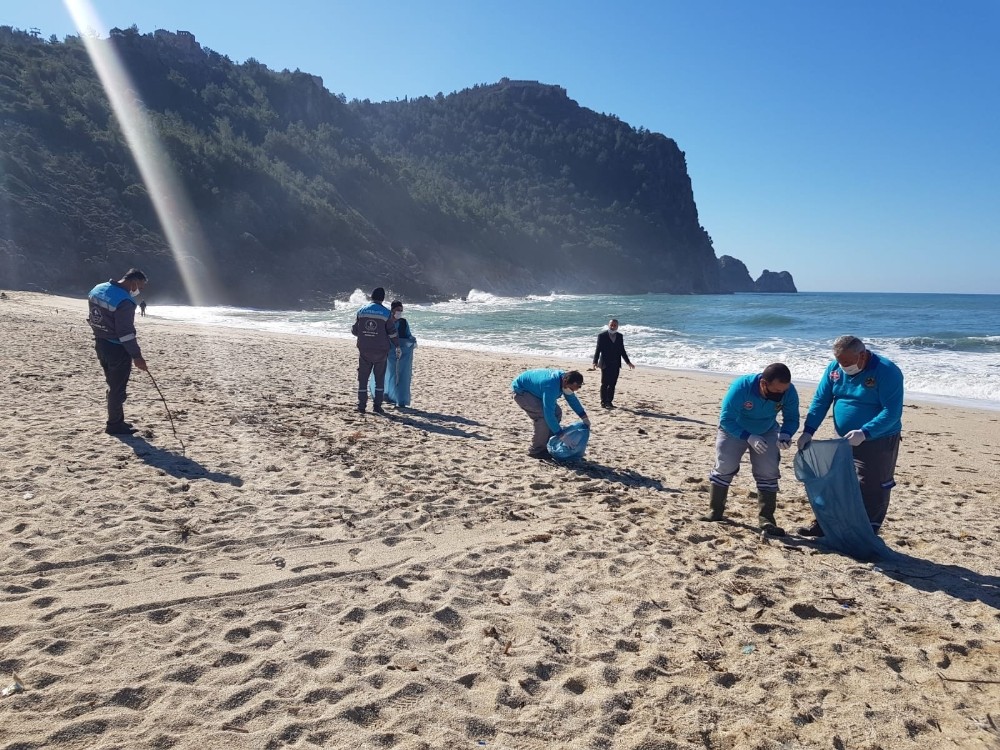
(570, 443)
(826, 467)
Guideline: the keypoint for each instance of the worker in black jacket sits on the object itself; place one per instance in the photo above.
(608, 357)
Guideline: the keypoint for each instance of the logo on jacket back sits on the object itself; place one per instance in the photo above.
(371, 328)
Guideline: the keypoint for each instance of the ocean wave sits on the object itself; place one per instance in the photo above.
(952, 342)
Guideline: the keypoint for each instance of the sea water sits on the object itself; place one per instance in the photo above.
(947, 345)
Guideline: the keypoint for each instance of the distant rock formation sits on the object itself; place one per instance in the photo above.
(734, 276)
(775, 281)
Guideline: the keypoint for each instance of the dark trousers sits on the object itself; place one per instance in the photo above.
(875, 461)
(117, 366)
(609, 379)
(365, 369)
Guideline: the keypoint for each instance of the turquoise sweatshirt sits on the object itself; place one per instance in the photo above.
(871, 401)
(745, 412)
(547, 385)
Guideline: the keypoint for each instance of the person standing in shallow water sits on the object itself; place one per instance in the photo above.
(608, 358)
(112, 319)
(376, 333)
(748, 421)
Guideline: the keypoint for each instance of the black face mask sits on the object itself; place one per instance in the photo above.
(774, 396)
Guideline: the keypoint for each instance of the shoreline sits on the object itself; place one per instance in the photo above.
(305, 575)
(806, 384)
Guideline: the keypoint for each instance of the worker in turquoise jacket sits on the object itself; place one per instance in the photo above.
(866, 393)
(538, 393)
(749, 421)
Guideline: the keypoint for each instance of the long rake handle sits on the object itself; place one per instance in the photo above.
(169, 415)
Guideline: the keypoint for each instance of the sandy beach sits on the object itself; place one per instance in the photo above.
(301, 575)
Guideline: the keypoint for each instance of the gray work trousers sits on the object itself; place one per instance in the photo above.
(875, 461)
(729, 450)
(532, 406)
(367, 367)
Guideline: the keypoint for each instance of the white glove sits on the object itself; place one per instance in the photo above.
(758, 444)
(784, 441)
(804, 439)
(399, 352)
(855, 437)
(585, 420)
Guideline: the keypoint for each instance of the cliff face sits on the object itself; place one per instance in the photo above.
(300, 196)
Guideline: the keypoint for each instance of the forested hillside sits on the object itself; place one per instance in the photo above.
(300, 195)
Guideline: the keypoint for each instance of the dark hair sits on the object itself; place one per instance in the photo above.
(777, 371)
(574, 377)
(378, 294)
(134, 274)
(396, 305)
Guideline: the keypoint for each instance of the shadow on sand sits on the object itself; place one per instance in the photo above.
(439, 424)
(626, 477)
(652, 414)
(173, 464)
(953, 580)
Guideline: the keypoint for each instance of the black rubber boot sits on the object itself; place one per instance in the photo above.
(716, 503)
(766, 504)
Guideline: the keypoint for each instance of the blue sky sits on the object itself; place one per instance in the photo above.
(855, 143)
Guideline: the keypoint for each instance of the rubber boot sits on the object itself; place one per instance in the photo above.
(766, 504)
(716, 503)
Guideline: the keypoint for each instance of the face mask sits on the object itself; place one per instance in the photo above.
(567, 392)
(398, 315)
(774, 396)
(852, 370)
(134, 292)
(612, 331)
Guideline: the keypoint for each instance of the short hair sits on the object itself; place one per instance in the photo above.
(574, 377)
(613, 320)
(851, 344)
(396, 305)
(378, 294)
(777, 371)
(134, 274)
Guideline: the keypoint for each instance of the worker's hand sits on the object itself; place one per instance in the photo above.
(804, 439)
(631, 366)
(140, 363)
(855, 437)
(758, 444)
(784, 441)
(399, 352)
(585, 420)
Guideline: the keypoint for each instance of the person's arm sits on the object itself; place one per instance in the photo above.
(732, 405)
(354, 328)
(621, 345)
(576, 406)
(549, 400)
(890, 393)
(597, 351)
(789, 412)
(821, 402)
(125, 328)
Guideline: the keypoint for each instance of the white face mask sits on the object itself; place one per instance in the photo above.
(567, 392)
(852, 370)
(398, 314)
(134, 292)
(612, 331)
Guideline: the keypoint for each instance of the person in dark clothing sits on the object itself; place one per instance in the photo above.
(608, 358)
(142, 309)
(375, 329)
(112, 319)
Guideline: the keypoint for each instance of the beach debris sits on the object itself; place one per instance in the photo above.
(17, 686)
(749, 648)
(234, 728)
(27, 496)
(501, 599)
(279, 562)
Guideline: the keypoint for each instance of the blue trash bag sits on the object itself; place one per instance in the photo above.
(826, 467)
(570, 443)
(398, 375)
